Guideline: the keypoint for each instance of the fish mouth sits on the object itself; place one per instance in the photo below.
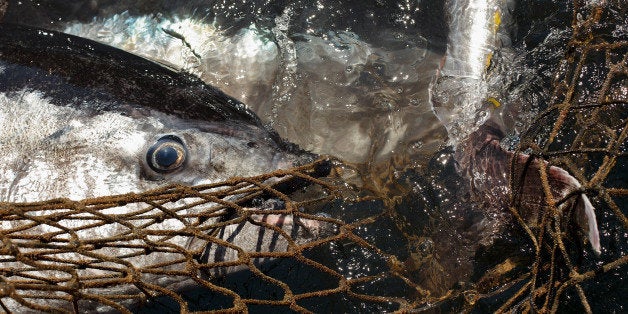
(268, 223)
(284, 184)
(271, 200)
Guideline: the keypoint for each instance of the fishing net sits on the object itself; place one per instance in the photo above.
(70, 268)
(138, 261)
(584, 130)
(45, 265)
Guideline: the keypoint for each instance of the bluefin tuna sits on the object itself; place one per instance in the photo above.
(460, 94)
(81, 119)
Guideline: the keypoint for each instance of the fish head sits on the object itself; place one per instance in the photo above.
(62, 151)
(162, 149)
(82, 120)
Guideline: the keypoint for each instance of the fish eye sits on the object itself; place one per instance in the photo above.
(167, 154)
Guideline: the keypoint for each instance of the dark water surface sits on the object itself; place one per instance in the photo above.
(350, 79)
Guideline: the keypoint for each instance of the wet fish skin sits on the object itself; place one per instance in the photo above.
(476, 31)
(78, 121)
(82, 82)
(488, 167)
(88, 64)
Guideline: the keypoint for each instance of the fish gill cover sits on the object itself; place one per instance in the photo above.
(583, 129)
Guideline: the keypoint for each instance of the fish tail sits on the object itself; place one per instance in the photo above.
(594, 233)
(564, 183)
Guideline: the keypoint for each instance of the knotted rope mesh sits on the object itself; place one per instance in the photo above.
(179, 236)
(124, 252)
(584, 130)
